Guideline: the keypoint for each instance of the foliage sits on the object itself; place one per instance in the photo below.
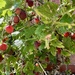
(37, 36)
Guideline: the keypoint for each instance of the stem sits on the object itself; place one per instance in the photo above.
(42, 67)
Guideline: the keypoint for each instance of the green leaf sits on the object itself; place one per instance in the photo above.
(53, 59)
(2, 3)
(53, 50)
(39, 29)
(29, 31)
(73, 2)
(28, 67)
(65, 53)
(62, 29)
(9, 4)
(57, 43)
(11, 59)
(47, 10)
(1, 67)
(72, 49)
(67, 42)
(66, 19)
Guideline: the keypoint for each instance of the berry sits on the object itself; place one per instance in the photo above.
(58, 51)
(36, 64)
(22, 15)
(30, 3)
(62, 68)
(16, 19)
(27, 0)
(36, 20)
(73, 36)
(37, 44)
(9, 29)
(67, 34)
(3, 46)
(18, 11)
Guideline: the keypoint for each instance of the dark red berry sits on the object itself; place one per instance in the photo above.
(36, 20)
(3, 46)
(27, 0)
(16, 19)
(22, 15)
(17, 11)
(37, 44)
(73, 36)
(62, 68)
(30, 3)
(67, 34)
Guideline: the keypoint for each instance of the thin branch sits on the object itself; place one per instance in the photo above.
(42, 67)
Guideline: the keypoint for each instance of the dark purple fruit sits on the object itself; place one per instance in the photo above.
(22, 15)
(37, 44)
(27, 0)
(73, 36)
(16, 19)
(30, 3)
(17, 11)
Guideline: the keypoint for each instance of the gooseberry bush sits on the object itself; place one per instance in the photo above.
(36, 36)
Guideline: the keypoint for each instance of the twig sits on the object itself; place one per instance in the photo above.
(42, 67)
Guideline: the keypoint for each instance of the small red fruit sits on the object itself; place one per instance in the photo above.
(58, 51)
(62, 68)
(16, 19)
(9, 29)
(3, 46)
(18, 11)
(36, 20)
(73, 36)
(37, 44)
(67, 34)
(22, 15)
(27, 0)
(37, 64)
(30, 3)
